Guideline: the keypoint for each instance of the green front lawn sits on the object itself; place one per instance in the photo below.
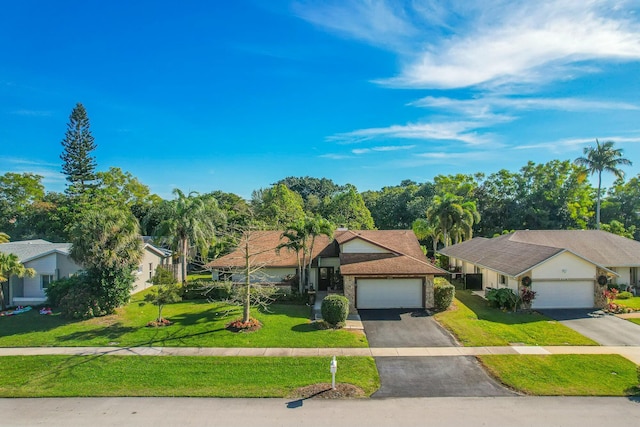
(475, 324)
(631, 302)
(93, 376)
(566, 375)
(635, 320)
(196, 324)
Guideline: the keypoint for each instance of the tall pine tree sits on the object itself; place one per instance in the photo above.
(78, 163)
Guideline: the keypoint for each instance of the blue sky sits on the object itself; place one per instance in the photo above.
(235, 95)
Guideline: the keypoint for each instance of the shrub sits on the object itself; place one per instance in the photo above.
(624, 295)
(335, 309)
(503, 298)
(612, 286)
(282, 296)
(90, 294)
(205, 289)
(443, 293)
(81, 303)
(60, 288)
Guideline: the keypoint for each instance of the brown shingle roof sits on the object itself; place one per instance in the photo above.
(598, 246)
(514, 253)
(263, 246)
(405, 256)
(501, 254)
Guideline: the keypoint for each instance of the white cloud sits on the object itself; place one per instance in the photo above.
(31, 113)
(572, 144)
(489, 43)
(483, 107)
(335, 156)
(451, 131)
(386, 148)
(376, 22)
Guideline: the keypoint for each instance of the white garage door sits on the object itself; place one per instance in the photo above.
(563, 294)
(389, 293)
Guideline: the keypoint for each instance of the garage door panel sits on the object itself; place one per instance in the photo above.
(389, 293)
(563, 294)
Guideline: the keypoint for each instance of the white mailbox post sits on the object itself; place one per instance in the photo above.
(334, 369)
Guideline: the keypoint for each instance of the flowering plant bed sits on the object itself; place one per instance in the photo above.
(239, 326)
(158, 323)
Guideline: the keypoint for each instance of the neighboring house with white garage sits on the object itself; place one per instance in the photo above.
(566, 268)
(52, 261)
(380, 268)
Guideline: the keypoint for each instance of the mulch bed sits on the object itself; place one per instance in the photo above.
(240, 326)
(324, 391)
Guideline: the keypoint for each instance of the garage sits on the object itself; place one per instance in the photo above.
(561, 294)
(389, 293)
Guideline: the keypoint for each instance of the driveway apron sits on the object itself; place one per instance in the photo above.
(605, 330)
(432, 376)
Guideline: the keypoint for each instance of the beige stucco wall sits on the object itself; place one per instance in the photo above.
(624, 275)
(267, 275)
(565, 266)
(147, 268)
(45, 265)
(358, 246)
(66, 266)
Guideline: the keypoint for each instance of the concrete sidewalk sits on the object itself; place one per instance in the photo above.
(629, 352)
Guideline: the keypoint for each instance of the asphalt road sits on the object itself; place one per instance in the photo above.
(184, 412)
(423, 376)
(605, 330)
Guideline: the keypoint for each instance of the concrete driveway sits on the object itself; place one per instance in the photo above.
(423, 376)
(605, 330)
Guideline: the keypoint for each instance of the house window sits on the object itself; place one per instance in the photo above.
(45, 280)
(140, 268)
(503, 279)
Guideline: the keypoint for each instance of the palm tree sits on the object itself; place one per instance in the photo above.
(424, 229)
(447, 210)
(602, 158)
(463, 230)
(317, 226)
(301, 237)
(188, 220)
(297, 235)
(11, 265)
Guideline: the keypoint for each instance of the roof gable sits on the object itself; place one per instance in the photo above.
(400, 252)
(29, 250)
(514, 254)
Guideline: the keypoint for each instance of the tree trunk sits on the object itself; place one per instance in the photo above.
(2, 303)
(598, 201)
(160, 306)
(183, 259)
(313, 242)
(246, 312)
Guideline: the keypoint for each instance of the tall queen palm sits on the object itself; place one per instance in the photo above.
(602, 158)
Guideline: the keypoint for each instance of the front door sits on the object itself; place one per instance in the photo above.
(324, 281)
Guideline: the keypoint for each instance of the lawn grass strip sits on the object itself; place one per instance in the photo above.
(565, 374)
(97, 376)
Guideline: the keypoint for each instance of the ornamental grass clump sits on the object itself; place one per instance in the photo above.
(335, 309)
